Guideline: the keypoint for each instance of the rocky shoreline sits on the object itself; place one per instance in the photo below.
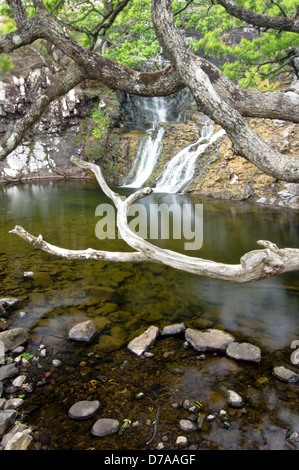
(14, 386)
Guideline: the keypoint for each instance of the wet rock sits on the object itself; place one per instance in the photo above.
(182, 441)
(171, 330)
(209, 340)
(105, 427)
(19, 441)
(84, 409)
(56, 363)
(2, 403)
(160, 446)
(7, 418)
(286, 375)
(18, 350)
(200, 421)
(141, 343)
(8, 371)
(13, 403)
(13, 338)
(243, 352)
(3, 324)
(9, 303)
(28, 274)
(1, 389)
(16, 428)
(187, 426)
(234, 399)
(18, 382)
(84, 331)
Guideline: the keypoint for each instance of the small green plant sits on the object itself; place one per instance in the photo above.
(3, 319)
(27, 356)
(126, 422)
(199, 406)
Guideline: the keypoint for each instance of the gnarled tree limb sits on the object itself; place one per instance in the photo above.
(254, 266)
(246, 143)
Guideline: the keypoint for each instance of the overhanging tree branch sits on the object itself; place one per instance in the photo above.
(246, 143)
(260, 20)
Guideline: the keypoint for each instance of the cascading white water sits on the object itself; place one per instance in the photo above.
(147, 156)
(155, 109)
(178, 172)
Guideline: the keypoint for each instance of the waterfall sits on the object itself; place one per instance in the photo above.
(153, 111)
(177, 174)
(149, 114)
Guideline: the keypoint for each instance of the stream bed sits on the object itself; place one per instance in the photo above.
(123, 300)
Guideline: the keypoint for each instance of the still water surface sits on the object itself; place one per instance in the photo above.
(124, 299)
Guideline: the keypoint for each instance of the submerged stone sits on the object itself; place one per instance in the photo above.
(84, 409)
(243, 352)
(84, 331)
(209, 340)
(105, 427)
(141, 343)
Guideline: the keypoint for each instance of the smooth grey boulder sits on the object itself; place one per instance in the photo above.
(286, 375)
(209, 340)
(104, 427)
(141, 343)
(243, 352)
(7, 418)
(175, 329)
(13, 338)
(84, 331)
(84, 409)
(8, 371)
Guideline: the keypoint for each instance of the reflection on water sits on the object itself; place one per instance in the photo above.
(64, 212)
(124, 299)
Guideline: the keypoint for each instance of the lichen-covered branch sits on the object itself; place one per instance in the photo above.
(280, 23)
(255, 265)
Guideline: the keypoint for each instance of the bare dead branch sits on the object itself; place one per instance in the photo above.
(254, 266)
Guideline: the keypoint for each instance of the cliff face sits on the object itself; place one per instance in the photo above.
(46, 150)
(76, 124)
(79, 124)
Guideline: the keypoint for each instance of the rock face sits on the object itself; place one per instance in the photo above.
(141, 343)
(84, 409)
(84, 331)
(104, 427)
(244, 352)
(209, 340)
(13, 338)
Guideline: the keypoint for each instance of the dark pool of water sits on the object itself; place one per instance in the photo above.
(124, 299)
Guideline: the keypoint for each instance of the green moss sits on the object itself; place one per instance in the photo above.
(94, 129)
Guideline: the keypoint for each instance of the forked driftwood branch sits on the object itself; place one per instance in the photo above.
(254, 266)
